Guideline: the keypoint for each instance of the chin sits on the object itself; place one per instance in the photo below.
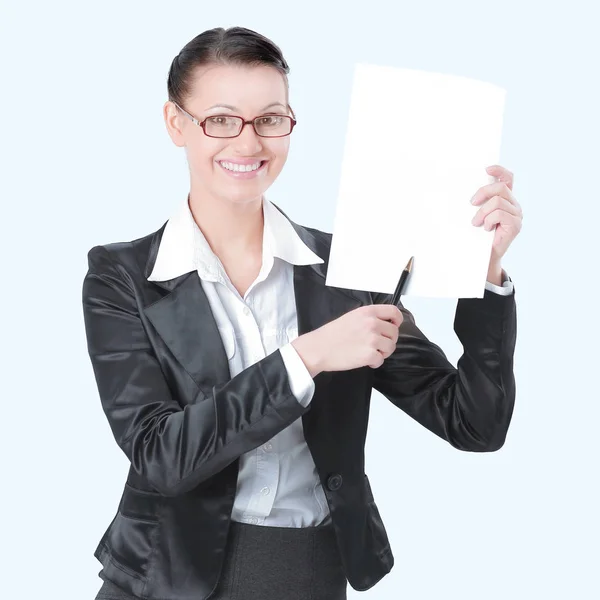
(240, 195)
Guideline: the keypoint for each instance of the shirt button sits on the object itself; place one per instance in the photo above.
(268, 447)
(265, 491)
(334, 482)
(253, 520)
(246, 310)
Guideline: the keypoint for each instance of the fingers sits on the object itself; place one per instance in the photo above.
(502, 174)
(381, 336)
(389, 330)
(510, 223)
(386, 346)
(494, 189)
(383, 350)
(494, 204)
(376, 361)
(387, 312)
(385, 332)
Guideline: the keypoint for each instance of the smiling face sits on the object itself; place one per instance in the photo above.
(220, 90)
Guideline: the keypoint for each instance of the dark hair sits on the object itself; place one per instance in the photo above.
(233, 46)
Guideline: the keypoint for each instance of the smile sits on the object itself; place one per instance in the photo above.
(243, 171)
(240, 168)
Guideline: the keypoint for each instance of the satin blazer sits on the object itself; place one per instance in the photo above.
(183, 422)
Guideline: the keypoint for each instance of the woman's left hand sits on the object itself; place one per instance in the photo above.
(500, 211)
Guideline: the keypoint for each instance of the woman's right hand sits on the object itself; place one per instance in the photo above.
(365, 336)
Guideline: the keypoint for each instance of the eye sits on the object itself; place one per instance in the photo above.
(222, 121)
(270, 120)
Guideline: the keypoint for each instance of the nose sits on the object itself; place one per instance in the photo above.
(248, 142)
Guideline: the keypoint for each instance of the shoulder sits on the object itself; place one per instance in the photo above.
(131, 255)
(322, 239)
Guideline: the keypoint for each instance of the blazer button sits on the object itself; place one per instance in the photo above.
(334, 482)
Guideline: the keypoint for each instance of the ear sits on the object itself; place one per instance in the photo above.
(174, 124)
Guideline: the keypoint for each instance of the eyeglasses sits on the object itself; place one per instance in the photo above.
(230, 126)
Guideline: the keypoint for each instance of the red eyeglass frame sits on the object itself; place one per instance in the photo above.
(244, 123)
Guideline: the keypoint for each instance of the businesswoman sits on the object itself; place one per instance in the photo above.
(238, 384)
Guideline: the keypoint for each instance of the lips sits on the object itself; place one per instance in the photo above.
(244, 174)
(227, 164)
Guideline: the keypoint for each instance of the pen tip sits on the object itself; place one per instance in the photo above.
(410, 264)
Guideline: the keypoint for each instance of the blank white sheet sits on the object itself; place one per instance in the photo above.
(417, 146)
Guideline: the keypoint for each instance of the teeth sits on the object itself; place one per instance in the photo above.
(240, 168)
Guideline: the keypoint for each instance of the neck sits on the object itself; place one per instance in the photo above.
(231, 229)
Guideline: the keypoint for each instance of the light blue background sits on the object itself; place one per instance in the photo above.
(86, 160)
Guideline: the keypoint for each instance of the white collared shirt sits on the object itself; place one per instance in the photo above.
(278, 484)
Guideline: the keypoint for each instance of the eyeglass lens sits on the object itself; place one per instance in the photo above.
(266, 126)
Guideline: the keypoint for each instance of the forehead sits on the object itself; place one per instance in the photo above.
(247, 88)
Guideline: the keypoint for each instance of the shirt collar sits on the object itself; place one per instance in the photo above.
(183, 247)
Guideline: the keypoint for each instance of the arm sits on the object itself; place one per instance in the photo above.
(174, 448)
(301, 382)
(470, 406)
(500, 284)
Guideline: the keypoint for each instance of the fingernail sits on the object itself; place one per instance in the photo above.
(473, 200)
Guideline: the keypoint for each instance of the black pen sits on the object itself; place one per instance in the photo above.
(402, 282)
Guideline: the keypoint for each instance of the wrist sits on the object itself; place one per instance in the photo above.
(309, 353)
(494, 274)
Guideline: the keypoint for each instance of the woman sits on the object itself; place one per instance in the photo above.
(238, 384)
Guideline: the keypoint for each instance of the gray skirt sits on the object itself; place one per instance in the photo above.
(263, 563)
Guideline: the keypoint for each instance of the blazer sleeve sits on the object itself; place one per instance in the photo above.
(173, 447)
(469, 406)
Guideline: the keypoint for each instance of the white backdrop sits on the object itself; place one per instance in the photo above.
(86, 160)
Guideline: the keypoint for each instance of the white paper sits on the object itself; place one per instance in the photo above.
(417, 146)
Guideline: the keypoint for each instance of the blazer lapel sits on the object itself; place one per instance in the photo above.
(182, 316)
(184, 320)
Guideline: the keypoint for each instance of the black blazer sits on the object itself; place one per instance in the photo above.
(183, 422)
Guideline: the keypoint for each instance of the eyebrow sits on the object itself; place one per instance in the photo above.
(229, 107)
